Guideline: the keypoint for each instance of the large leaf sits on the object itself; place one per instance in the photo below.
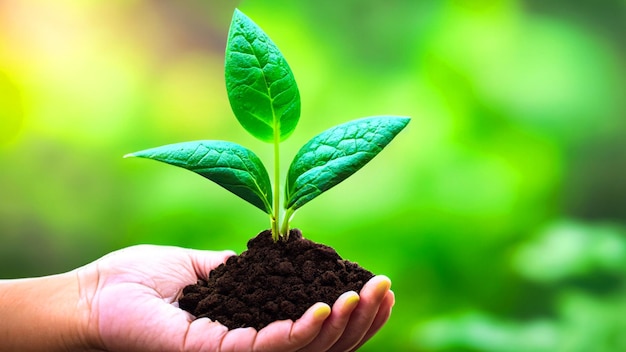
(337, 153)
(261, 88)
(228, 164)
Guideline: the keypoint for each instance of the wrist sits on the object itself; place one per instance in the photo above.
(62, 292)
(43, 313)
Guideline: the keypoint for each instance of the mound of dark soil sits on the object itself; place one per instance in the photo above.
(272, 281)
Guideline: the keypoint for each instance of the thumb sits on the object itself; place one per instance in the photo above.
(205, 261)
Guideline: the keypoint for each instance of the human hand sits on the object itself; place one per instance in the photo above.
(131, 294)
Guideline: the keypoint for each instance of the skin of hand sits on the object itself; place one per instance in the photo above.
(126, 301)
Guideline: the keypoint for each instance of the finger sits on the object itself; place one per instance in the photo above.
(204, 335)
(335, 325)
(241, 339)
(205, 261)
(381, 318)
(372, 295)
(285, 335)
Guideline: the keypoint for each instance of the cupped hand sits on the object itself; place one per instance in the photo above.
(131, 298)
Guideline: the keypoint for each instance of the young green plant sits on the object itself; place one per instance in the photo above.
(265, 99)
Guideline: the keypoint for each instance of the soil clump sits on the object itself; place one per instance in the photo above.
(272, 281)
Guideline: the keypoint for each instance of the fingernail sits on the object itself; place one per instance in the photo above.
(352, 301)
(383, 285)
(322, 312)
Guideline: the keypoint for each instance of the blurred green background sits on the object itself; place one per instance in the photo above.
(499, 213)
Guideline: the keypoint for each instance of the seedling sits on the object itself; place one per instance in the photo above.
(265, 99)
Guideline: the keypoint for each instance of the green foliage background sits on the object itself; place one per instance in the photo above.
(499, 213)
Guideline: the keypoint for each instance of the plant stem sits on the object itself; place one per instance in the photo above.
(276, 219)
(285, 226)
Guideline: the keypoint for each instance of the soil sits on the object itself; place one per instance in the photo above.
(272, 281)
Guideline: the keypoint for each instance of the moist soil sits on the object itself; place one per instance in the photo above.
(272, 281)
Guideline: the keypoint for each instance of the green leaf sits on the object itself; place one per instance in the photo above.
(337, 153)
(228, 164)
(261, 88)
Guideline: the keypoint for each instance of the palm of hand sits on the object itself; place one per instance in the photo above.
(132, 297)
